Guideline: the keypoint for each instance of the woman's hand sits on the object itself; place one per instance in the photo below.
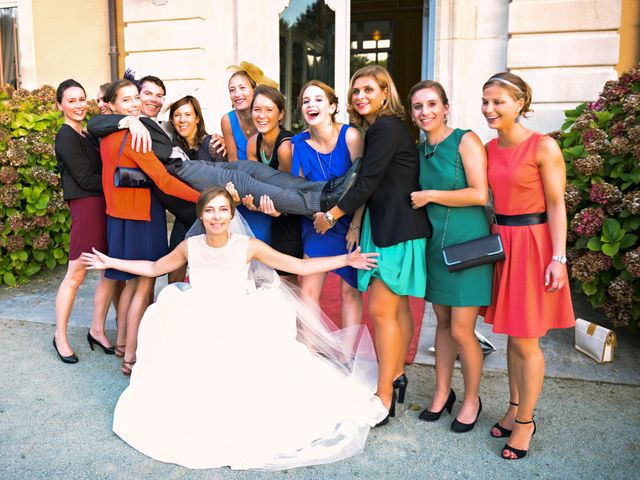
(95, 260)
(267, 207)
(555, 276)
(217, 147)
(231, 188)
(363, 261)
(420, 199)
(320, 223)
(353, 238)
(247, 201)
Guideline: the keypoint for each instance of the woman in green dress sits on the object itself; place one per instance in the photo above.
(453, 178)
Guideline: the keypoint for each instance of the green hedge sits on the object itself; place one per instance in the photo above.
(34, 219)
(601, 145)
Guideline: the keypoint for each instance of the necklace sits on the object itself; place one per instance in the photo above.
(263, 155)
(428, 155)
(324, 174)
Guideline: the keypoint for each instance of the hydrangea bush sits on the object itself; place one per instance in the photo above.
(34, 219)
(601, 146)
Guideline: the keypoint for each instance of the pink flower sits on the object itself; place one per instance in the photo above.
(588, 222)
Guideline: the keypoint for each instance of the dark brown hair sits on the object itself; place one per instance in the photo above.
(515, 86)
(429, 84)
(111, 92)
(201, 131)
(328, 92)
(69, 83)
(155, 80)
(272, 94)
(209, 194)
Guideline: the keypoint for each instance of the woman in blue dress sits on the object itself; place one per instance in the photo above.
(322, 152)
(237, 127)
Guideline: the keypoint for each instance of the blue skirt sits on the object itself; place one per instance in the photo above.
(331, 243)
(137, 239)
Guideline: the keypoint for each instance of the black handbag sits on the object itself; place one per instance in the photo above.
(475, 252)
(129, 177)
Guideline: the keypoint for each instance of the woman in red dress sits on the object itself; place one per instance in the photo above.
(530, 289)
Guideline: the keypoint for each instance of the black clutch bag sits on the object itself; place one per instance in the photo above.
(129, 177)
(473, 253)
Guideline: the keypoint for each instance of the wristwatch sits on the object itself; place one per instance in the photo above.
(329, 219)
(559, 258)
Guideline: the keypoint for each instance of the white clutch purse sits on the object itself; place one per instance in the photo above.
(595, 341)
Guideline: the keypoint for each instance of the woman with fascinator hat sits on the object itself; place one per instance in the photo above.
(237, 127)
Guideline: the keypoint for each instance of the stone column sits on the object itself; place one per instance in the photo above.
(470, 46)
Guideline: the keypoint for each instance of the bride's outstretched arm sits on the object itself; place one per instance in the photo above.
(264, 253)
(145, 268)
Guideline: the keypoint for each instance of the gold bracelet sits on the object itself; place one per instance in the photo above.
(355, 227)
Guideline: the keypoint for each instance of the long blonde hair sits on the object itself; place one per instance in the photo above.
(392, 106)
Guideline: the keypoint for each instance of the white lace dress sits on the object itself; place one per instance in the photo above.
(221, 380)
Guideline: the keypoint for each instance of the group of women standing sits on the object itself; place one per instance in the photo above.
(407, 204)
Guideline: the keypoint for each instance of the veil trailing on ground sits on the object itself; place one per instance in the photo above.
(349, 349)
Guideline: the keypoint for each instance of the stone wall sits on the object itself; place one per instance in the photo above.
(565, 49)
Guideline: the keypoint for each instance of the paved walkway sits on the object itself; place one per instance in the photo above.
(55, 418)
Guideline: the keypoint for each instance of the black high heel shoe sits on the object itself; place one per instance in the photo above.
(460, 427)
(429, 416)
(92, 341)
(73, 358)
(400, 384)
(519, 453)
(504, 432)
(392, 411)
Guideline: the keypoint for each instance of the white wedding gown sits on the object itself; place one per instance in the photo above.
(221, 379)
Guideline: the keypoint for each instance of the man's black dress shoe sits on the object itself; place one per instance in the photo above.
(337, 188)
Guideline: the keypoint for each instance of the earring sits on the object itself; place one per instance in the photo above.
(384, 102)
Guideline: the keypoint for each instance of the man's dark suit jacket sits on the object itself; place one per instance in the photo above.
(389, 173)
(103, 125)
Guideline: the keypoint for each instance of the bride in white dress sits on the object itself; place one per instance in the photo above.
(226, 375)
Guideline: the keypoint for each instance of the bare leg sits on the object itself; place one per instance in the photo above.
(311, 286)
(463, 323)
(177, 275)
(65, 297)
(529, 375)
(116, 294)
(405, 322)
(446, 353)
(101, 301)
(351, 305)
(139, 303)
(508, 420)
(383, 308)
(123, 311)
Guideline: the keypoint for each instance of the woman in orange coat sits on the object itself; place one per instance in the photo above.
(136, 222)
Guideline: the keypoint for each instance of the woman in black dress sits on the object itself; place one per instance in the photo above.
(272, 146)
(81, 171)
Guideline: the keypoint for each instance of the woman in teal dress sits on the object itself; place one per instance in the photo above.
(453, 179)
